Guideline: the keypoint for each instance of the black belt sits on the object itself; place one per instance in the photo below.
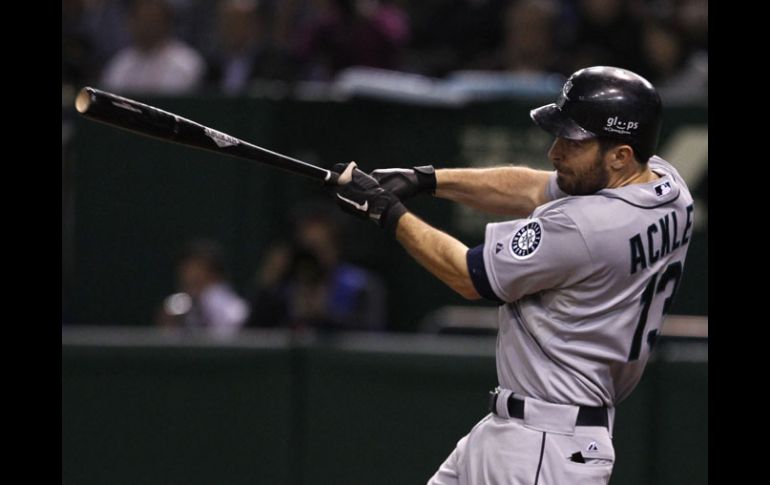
(587, 416)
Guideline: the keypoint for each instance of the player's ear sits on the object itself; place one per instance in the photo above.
(621, 156)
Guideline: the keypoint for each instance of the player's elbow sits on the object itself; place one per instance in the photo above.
(461, 282)
(467, 290)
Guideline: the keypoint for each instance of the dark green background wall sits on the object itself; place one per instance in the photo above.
(346, 410)
(135, 201)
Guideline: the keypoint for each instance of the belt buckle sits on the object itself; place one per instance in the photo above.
(493, 400)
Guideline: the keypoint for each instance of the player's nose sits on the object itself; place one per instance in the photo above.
(555, 153)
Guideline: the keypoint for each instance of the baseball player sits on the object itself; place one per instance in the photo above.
(583, 277)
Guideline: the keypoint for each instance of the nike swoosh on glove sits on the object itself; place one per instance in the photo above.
(407, 182)
(363, 197)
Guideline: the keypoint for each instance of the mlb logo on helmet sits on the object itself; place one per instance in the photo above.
(564, 94)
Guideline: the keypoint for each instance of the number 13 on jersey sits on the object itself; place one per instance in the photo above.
(655, 287)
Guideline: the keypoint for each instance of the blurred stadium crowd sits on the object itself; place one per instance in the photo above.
(432, 51)
(245, 46)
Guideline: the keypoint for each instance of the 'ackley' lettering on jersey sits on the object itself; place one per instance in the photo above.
(665, 234)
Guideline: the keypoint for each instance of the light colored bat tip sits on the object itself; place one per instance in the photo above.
(83, 100)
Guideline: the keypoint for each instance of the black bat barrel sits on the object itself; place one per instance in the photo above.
(147, 120)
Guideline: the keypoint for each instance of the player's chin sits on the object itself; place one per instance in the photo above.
(564, 183)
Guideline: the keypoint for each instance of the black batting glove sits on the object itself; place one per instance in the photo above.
(407, 182)
(363, 197)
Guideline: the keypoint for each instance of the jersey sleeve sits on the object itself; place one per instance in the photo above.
(552, 189)
(526, 256)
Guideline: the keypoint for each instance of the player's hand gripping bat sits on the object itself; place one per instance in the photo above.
(150, 121)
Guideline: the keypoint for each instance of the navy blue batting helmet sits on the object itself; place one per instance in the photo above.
(605, 102)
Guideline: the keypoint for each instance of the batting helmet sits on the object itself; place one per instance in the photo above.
(605, 102)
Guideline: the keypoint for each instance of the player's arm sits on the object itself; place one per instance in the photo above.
(513, 191)
(440, 253)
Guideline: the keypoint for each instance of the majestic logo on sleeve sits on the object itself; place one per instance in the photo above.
(526, 240)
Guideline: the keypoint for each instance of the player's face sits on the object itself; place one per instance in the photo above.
(580, 167)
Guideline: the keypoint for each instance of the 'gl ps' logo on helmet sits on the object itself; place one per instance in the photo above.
(616, 125)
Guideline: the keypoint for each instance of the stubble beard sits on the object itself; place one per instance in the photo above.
(586, 182)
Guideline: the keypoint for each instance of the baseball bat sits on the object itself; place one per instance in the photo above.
(150, 121)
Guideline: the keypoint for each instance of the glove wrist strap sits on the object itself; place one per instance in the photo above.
(426, 177)
(389, 220)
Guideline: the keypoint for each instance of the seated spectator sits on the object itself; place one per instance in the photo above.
(156, 62)
(529, 39)
(608, 33)
(526, 62)
(242, 51)
(678, 77)
(92, 32)
(304, 284)
(350, 33)
(206, 301)
(447, 36)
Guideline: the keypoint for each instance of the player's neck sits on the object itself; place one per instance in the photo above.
(641, 177)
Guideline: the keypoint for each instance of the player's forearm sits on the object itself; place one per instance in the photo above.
(513, 191)
(438, 252)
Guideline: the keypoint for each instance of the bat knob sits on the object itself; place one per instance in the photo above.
(84, 100)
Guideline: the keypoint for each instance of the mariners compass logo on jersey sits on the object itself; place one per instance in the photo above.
(526, 240)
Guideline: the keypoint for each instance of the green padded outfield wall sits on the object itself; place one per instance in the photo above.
(133, 201)
(356, 410)
(176, 416)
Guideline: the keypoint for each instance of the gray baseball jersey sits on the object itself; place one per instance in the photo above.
(585, 282)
